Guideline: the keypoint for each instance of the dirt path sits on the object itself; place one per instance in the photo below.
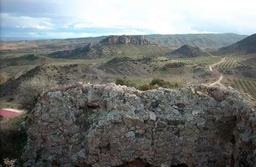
(213, 69)
(215, 64)
(217, 82)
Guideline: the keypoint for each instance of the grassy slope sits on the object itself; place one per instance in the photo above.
(115, 50)
(203, 41)
(42, 47)
(247, 46)
(188, 51)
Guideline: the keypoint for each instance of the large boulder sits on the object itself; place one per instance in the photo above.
(112, 125)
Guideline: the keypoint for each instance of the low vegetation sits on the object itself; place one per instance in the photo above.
(163, 83)
(172, 65)
(230, 63)
(12, 139)
(29, 89)
(246, 86)
(154, 84)
(124, 81)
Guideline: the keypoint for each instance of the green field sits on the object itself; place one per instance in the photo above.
(246, 86)
(230, 63)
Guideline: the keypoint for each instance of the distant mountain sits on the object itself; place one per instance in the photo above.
(247, 45)
(203, 41)
(114, 46)
(148, 45)
(187, 51)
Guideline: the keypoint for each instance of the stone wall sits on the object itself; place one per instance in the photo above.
(110, 125)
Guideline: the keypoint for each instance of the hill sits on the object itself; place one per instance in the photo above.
(114, 46)
(187, 51)
(247, 45)
(22, 60)
(62, 74)
(10, 49)
(126, 66)
(203, 41)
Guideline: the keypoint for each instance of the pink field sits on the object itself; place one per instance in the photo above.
(9, 112)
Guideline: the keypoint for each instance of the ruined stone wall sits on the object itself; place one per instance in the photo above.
(109, 125)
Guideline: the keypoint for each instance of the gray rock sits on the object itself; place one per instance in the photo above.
(160, 127)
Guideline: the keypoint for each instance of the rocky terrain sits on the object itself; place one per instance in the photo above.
(111, 125)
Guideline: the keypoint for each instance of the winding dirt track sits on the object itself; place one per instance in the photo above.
(10, 113)
(212, 68)
(215, 64)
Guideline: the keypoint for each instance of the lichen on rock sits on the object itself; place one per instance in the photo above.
(111, 125)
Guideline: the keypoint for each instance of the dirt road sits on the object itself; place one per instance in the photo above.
(213, 69)
(215, 64)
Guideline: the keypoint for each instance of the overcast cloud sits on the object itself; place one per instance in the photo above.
(83, 18)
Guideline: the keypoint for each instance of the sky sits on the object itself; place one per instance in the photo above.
(49, 19)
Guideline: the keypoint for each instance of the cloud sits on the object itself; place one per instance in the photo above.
(25, 22)
(103, 17)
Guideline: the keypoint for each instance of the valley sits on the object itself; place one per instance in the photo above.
(28, 69)
(104, 59)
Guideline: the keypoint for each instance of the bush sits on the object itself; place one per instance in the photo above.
(172, 65)
(163, 83)
(120, 81)
(154, 84)
(31, 88)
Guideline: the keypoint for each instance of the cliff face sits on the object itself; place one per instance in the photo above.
(124, 39)
(110, 125)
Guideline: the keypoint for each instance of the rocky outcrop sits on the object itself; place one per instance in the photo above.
(125, 39)
(110, 125)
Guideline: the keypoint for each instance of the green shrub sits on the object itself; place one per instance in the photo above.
(29, 89)
(163, 83)
(172, 65)
(154, 84)
(120, 81)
